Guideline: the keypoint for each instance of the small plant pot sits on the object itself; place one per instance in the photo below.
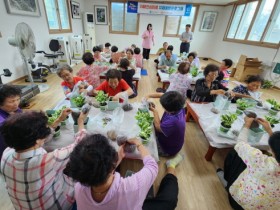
(255, 135)
(224, 129)
(63, 123)
(273, 112)
(56, 132)
(50, 112)
(76, 127)
(239, 111)
(145, 141)
(103, 107)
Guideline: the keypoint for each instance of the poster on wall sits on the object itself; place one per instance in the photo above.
(208, 21)
(159, 9)
(100, 15)
(75, 7)
(28, 7)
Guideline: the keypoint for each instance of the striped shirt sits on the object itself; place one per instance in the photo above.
(35, 179)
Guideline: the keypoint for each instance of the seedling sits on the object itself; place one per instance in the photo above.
(101, 98)
(226, 121)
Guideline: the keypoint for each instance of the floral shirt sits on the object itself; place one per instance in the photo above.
(180, 82)
(258, 186)
(244, 90)
(91, 73)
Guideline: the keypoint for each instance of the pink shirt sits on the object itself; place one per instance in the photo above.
(147, 43)
(139, 60)
(125, 193)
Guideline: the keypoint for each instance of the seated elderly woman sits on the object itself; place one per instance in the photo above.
(71, 83)
(92, 164)
(114, 85)
(206, 89)
(9, 102)
(129, 56)
(251, 177)
(34, 178)
(254, 83)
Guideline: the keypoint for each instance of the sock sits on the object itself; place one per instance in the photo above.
(220, 174)
(174, 161)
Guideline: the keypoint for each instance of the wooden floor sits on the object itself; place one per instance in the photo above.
(199, 187)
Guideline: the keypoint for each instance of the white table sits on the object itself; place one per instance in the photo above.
(125, 126)
(164, 78)
(209, 123)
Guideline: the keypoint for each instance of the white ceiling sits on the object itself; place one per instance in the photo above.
(220, 2)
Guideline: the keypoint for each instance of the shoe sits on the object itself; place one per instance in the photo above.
(175, 161)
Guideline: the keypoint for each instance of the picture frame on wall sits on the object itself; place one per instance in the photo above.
(100, 14)
(29, 8)
(208, 21)
(76, 10)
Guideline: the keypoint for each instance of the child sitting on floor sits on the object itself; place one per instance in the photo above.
(138, 57)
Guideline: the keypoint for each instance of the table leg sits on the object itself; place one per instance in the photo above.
(210, 153)
(158, 79)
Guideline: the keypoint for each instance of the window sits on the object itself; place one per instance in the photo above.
(175, 25)
(256, 23)
(57, 12)
(121, 21)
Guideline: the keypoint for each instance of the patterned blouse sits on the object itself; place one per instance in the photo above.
(244, 90)
(91, 73)
(258, 186)
(201, 91)
(180, 82)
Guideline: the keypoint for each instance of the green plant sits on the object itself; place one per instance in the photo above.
(272, 120)
(267, 84)
(243, 104)
(171, 70)
(194, 71)
(275, 105)
(145, 123)
(55, 115)
(79, 100)
(101, 97)
(228, 119)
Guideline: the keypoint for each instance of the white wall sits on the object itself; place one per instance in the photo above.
(9, 55)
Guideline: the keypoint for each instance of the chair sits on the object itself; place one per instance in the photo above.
(56, 49)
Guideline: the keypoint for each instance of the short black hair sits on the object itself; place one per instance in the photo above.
(113, 73)
(167, 51)
(149, 25)
(172, 101)
(130, 50)
(181, 68)
(7, 91)
(170, 47)
(114, 48)
(92, 160)
(188, 25)
(62, 68)
(20, 131)
(88, 58)
(107, 44)
(210, 68)
(191, 54)
(274, 143)
(124, 63)
(254, 78)
(137, 50)
(228, 62)
(96, 48)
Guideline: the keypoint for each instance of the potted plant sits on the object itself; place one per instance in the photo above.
(171, 70)
(145, 123)
(78, 101)
(272, 120)
(275, 107)
(54, 114)
(242, 105)
(102, 99)
(75, 116)
(57, 129)
(226, 121)
(267, 84)
(194, 71)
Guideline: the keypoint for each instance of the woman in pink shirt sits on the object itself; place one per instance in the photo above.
(148, 40)
(92, 164)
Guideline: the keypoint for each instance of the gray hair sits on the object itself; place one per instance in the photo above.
(64, 67)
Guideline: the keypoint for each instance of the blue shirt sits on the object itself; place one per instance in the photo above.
(3, 116)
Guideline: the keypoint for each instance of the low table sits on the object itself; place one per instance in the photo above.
(125, 125)
(136, 76)
(209, 122)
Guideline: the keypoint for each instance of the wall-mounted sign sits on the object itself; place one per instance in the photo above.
(159, 9)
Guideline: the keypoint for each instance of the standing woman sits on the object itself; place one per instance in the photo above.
(148, 39)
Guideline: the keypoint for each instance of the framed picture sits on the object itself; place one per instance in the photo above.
(29, 7)
(100, 15)
(76, 11)
(208, 21)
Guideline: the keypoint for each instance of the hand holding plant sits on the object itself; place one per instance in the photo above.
(64, 114)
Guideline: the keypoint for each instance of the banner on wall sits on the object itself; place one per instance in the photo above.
(159, 9)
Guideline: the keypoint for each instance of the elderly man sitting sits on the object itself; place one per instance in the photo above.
(168, 61)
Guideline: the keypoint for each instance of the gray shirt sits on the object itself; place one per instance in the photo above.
(186, 36)
(165, 62)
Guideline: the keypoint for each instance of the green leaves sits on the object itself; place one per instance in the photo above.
(145, 123)
(243, 104)
(274, 104)
(228, 119)
(171, 70)
(55, 115)
(272, 120)
(194, 71)
(79, 100)
(101, 97)
(267, 84)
